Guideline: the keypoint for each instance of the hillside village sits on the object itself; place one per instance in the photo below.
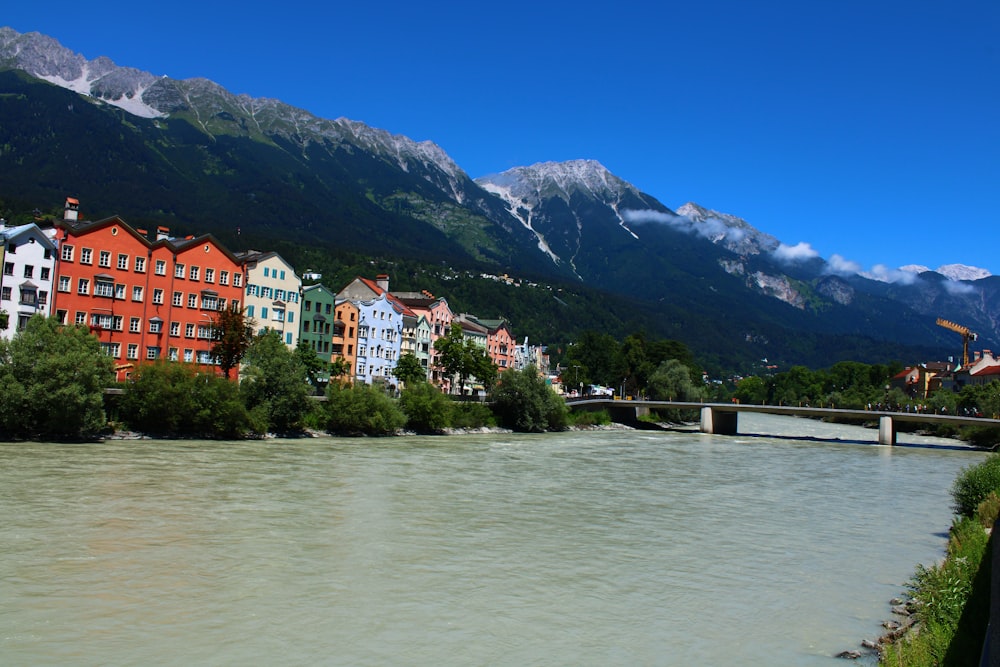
(148, 296)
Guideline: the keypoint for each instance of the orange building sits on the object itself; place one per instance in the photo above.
(144, 299)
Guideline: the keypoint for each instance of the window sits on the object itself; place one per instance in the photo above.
(152, 353)
(63, 283)
(279, 315)
(288, 338)
(249, 311)
(192, 300)
(83, 286)
(80, 318)
(120, 291)
(87, 256)
(263, 312)
(282, 274)
(45, 273)
(178, 299)
(205, 357)
(29, 271)
(172, 354)
(293, 297)
(161, 267)
(5, 294)
(223, 277)
(157, 296)
(279, 294)
(178, 270)
(67, 253)
(8, 268)
(116, 322)
(193, 274)
(175, 328)
(112, 349)
(237, 279)
(11, 248)
(267, 272)
(189, 356)
(100, 321)
(140, 264)
(43, 297)
(137, 293)
(134, 325)
(104, 259)
(189, 331)
(209, 302)
(291, 316)
(209, 275)
(267, 292)
(156, 325)
(205, 331)
(123, 262)
(133, 351)
(61, 316)
(251, 290)
(104, 288)
(308, 306)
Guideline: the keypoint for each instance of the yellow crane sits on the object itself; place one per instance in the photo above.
(967, 335)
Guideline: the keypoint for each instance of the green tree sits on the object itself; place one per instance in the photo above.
(427, 410)
(523, 402)
(409, 370)
(460, 356)
(274, 387)
(52, 381)
(671, 381)
(752, 390)
(361, 409)
(232, 333)
(201, 403)
(596, 355)
(311, 362)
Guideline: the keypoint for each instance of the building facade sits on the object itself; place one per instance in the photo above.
(273, 295)
(29, 258)
(144, 300)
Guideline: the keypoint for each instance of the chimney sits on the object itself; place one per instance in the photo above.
(162, 233)
(141, 232)
(71, 212)
(382, 280)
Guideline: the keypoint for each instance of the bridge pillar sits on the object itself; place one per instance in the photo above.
(886, 431)
(718, 422)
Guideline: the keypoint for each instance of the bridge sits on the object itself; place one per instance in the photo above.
(723, 418)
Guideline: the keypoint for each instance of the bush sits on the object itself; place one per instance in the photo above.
(523, 402)
(974, 484)
(200, 404)
(589, 418)
(471, 415)
(427, 410)
(361, 409)
(989, 510)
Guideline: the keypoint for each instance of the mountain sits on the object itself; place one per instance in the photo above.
(192, 156)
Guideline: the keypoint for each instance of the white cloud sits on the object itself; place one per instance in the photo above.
(955, 287)
(711, 228)
(799, 252)
(842, 266)
(649, 215)
(883, 273)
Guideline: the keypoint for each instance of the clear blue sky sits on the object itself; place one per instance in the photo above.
(869, 129)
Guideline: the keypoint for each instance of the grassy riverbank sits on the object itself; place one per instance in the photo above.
(951, 600)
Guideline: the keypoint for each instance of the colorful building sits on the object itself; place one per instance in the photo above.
(272, 294)
(144, 299)
(316, 325)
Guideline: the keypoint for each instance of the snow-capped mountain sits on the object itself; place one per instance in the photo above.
(213, 160)
(950, 271)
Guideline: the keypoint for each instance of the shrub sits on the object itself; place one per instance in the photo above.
(524, 402)
(989, 510)
(471, 415)
(427, 410)
(589, 418)
(974, 484)
(361, 409)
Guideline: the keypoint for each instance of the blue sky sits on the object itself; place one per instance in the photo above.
(866, 129)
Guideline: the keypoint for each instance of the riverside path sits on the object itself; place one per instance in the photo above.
(723, 418)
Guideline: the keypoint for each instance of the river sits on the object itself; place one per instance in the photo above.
(582, 548)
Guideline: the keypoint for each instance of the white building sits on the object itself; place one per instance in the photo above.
(26, 283)
(272, 294)
(380, 330)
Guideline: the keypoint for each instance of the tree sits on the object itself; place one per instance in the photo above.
(361, 409)
(427, 410)
(671, 381)
(523, 402)
(409, 370)
(460, 356)
(52, 381)
(596, 355)
(232, 334)
(274, 386)
(311, 362)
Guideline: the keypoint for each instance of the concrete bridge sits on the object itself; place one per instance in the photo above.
(723, 418)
